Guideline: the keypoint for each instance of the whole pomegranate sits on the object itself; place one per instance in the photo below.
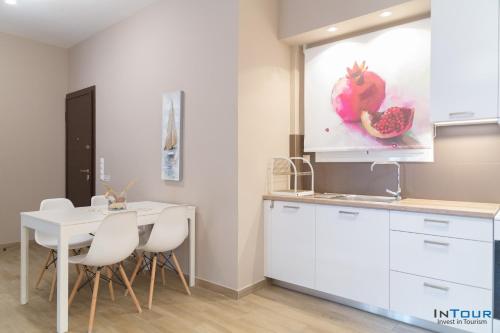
(360, 90)
(392, 123)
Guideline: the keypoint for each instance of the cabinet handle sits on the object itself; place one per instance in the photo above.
(436, 221)
(348, 213)
(436, 243)
(462, 114)
(433, 286)
(291, 207)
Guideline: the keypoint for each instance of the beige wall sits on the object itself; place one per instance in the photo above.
(300, 16)
(33, 85)
(190, 45)
(263, 124)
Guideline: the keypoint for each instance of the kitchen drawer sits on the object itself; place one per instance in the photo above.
(451, 259)
(443, 225)
(419, 297)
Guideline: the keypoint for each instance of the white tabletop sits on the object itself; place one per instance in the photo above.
(94, 214)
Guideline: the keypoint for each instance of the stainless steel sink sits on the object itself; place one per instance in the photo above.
(372, 198)
(356, 197)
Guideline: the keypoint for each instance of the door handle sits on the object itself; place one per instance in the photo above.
(461, 114)
(345, 212)
(436, 243)
(85, 170)
(433, 286)
(436, 221)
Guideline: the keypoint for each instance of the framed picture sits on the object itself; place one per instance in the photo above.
(171, 138)
(370, 92)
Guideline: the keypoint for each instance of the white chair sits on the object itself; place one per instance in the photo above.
(98, 200)
(50, 241)
(115, 239)
(168, 233)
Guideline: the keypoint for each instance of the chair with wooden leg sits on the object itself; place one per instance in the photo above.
(168, 233)
(50, 242)
(115, 239)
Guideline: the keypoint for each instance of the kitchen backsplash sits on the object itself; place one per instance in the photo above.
(466, 168)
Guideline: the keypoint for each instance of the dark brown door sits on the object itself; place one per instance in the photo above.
(80, 146)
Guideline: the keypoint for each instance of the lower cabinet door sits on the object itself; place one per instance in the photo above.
(291, 243)
(431, 299)
(352, 254)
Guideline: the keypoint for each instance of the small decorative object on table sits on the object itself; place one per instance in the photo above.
(117, 201)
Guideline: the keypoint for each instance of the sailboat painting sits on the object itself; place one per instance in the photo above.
(171, 136)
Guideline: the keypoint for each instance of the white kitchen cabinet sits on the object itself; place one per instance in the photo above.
(418, 297)
(290, 239)
(352, 253)
(465, 60)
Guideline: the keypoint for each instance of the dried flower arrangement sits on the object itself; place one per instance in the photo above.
(117, 201)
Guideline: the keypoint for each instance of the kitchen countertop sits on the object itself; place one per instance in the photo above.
(471, 209)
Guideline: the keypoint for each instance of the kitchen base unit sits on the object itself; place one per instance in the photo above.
(428, 269)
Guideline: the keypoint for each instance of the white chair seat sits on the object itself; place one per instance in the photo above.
(75, 242)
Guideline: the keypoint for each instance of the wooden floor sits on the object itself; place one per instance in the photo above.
(271, 309)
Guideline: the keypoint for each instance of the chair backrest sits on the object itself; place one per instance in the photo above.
(52, 204)
(115, 239)
(98, 200)
(169, 231)
(57, 203)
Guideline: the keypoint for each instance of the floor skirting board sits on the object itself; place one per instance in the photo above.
(231, 293)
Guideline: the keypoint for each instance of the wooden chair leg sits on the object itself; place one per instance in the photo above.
(75, 287)
(181, 274)
(94, 299)
(152, 282)
(140, 259)
(129, 288)
(163, 279)
(53, 284)
(110, 284)
(44, 268)
(75, 252)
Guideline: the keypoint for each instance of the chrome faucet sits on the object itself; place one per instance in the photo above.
(396, 194)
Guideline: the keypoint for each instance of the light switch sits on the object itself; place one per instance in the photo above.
(102, 175)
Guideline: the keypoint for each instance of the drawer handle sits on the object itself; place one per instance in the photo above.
(345, 212)
(291, 207)
(436, 243)
(433, 286)
(436, 221)
(462, 114)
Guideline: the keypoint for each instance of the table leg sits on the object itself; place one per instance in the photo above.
(62, 282)
(192, 247)
(25, 243)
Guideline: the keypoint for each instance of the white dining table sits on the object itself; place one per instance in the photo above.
(66, 223)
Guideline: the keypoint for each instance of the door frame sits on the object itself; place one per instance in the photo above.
(69, 96)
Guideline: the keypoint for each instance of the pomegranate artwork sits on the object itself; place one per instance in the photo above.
(358, 97)
(388, 124)
(360, 90)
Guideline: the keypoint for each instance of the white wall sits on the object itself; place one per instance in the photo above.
(33, 83)
(263, 124)
(190, 45)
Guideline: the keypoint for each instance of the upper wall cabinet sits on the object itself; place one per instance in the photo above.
(465, 60)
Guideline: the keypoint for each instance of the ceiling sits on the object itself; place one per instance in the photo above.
(64, 23)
